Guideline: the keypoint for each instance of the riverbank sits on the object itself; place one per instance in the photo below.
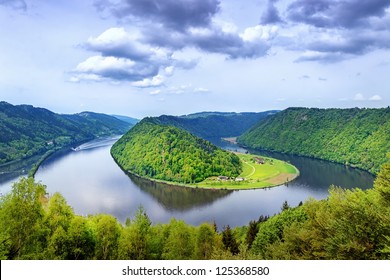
(50, 152)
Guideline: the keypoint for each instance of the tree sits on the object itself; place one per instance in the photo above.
(107, 236)
(285, 206)
(134, 241)
(382, 182)
(251, 233)
(58, 245)
(205, 241)
(81, 239)
(229, 240)
(59, 213)
(179, 244)
(21, 218)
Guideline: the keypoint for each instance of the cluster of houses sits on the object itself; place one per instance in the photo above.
(258, 160)
(225, 178)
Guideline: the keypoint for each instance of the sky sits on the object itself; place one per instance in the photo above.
(151, 57)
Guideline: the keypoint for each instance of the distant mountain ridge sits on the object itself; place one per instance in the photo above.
(356, 137)
(132, 121)
(27, 130)
(209, 125)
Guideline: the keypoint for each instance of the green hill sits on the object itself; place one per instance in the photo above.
(356, 137)
(208, 125)
(26, 131)
(168, 153)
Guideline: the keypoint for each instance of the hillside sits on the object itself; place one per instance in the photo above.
(129, 120)
(208, 125)
(26, 130)
(168, 153)
(356, 137)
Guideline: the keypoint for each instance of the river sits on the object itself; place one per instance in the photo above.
(92, 183)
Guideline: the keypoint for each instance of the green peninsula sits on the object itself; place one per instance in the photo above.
(166, 153)
(171, 154)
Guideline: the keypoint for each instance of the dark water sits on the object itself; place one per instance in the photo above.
(92, 183)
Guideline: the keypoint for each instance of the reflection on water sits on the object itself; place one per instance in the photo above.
(320, 174)
(175, 198)
(9, 173)
(92, 183)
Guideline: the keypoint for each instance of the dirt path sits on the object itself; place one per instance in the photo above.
(253, 171)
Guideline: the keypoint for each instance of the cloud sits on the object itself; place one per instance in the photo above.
(359, 97)
(201, 90)
(176, 25)
(155, 92)
(339, 30)
(323, 57)
(337, 14)
(252, 43)
(14, 4)
(117, 42)
(172, 14)
(375, 98)
(155, 81)
(271, 15)
(99, 68)
(158, 30)
(123, 56)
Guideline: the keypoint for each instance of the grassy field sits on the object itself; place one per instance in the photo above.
(271, 173)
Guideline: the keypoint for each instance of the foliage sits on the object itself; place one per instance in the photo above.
(350, 224)
(107, 235)
(28, 131)
(135, 242)
(171, 154)
(21, 217)
(356, 137)
(229, 241)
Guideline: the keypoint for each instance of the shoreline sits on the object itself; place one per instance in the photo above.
(47, 154)
(233, 186)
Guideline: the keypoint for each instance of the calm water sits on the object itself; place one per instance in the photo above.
(92, 183)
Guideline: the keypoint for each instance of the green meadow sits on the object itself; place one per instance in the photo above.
(270, 172)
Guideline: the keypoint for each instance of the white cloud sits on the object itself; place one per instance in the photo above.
(375, 98)
(155, 92)
(359, 97)
(156, 81)
(201, 90)
(259, 33)
(100, 64)
(168, 71)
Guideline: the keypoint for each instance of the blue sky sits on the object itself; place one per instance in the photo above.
(151, 57)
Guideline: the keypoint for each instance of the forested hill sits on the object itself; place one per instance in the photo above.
(357, 137)
(169, 153)
(209, 125)
(26, 130)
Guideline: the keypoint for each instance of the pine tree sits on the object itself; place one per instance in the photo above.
(229, 241)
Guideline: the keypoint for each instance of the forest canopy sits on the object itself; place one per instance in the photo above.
(355, 137)
(169, 153)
